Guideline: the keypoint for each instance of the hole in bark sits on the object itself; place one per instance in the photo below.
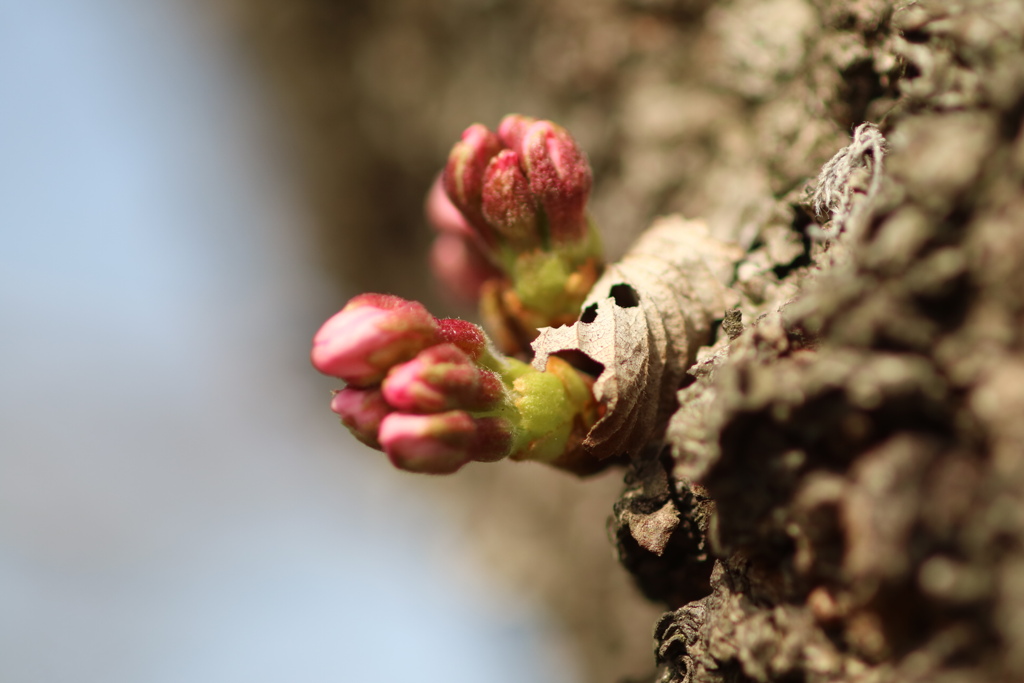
(801, 221)
(589, 314)
(861, 85)
(911, 71)
(1013, 120)
(624, 295)
(581, 362)
(916, 35)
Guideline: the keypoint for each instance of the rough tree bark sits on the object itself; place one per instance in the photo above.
(845, 472)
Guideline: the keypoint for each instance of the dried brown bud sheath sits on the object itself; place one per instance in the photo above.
(641, 326)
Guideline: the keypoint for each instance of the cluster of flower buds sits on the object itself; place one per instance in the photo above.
(434, 395)
(510, 210)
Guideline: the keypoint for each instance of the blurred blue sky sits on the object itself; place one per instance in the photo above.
(177, 504)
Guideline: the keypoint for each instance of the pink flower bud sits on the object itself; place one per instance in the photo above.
(433, 444)
(441, 378)
(464, 174)
(444, 442)
(512, 130)
(493, 439)
(469, 338)
(361, 410)
(507, 204)
(560, 179)
(460, 266)
(372, 333)
(444, 215)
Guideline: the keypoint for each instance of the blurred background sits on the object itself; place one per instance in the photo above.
(186, 191)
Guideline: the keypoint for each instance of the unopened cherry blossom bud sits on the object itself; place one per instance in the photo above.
(507, 204)
(441, 378)
(464, 174)
(512, 130)
(373, 332)
(460, 266)
(560, 179)
(494, 439)
(362, 411)
(444, 216)
(443, 442)
(469, 338)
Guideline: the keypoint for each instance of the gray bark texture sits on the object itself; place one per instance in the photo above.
(840, 492)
